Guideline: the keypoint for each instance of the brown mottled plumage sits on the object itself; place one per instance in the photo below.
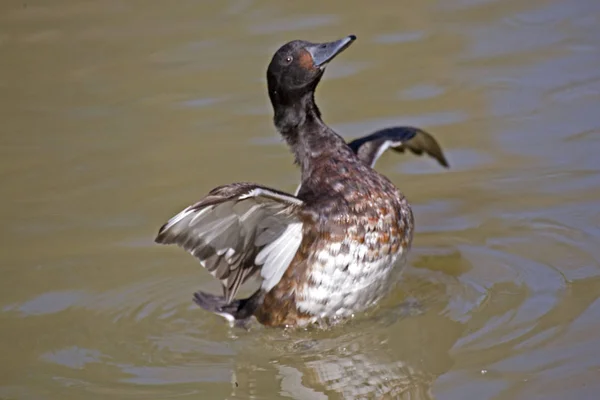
(327, 252)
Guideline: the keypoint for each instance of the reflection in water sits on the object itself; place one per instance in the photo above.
(396, 352)
(359, 368)
(341, 367)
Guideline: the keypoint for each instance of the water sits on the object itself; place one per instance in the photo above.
(115, 115)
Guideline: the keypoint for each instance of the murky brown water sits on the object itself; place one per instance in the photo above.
(115, 115)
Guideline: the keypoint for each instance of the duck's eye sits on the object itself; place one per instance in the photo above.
(289, 59)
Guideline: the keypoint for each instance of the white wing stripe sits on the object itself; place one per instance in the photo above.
(278, 255)
(267, 193)
(384, 146)
(199, 214)
(178, 218)
(248, 213)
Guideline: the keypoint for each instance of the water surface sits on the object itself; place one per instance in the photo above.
(115, 115)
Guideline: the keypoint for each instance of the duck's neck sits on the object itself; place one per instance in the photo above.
(301, 126)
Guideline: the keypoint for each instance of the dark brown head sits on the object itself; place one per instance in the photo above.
(297, 67)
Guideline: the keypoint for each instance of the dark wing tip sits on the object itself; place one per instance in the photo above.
(160, 236)
(209, 302)
(443, 162)
(434, 149)
(424, 142)
(399, 138)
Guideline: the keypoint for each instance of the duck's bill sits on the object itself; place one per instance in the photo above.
(322, 53)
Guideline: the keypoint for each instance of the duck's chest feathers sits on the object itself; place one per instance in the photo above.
(350, 266)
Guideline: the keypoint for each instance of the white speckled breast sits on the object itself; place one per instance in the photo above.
(350, 276)
(339, 288)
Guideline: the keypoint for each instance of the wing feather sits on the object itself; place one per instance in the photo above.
(400, 138)
(237, 230)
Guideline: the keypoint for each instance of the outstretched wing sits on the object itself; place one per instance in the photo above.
(237, 230)
(369, 148)
(399, 138)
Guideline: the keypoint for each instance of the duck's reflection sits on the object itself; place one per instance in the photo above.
(382, 358)
(363, 376)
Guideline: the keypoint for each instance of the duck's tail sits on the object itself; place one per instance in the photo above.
(238, 312)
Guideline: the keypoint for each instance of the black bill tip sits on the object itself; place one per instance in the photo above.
(322, 53)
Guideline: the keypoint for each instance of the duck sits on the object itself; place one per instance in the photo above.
(325, 253)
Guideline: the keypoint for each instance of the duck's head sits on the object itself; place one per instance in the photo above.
(297, 68)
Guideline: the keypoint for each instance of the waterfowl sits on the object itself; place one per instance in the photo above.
(323, 254)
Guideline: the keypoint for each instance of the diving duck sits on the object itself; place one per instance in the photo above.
(328, 251)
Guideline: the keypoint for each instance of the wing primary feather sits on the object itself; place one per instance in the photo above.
(231, 226)
(369, 148)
